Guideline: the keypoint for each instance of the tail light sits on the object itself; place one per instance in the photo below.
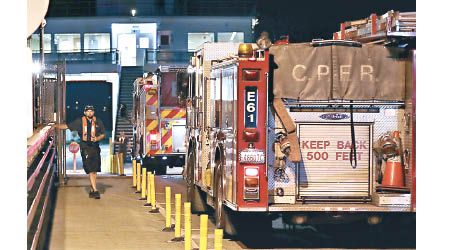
(251, 183)
(147, 86)
(251, 136)
(251, 172)
(251, 74)
(153, 138)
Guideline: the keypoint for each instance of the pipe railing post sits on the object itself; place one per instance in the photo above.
(138, 177)
(178, 218)
(144, 184)
(218, 237)
(203, 231)
(149, 190)
(187, 226)
(134, 173)
(122, 168)
(169, 227)
(152, 186)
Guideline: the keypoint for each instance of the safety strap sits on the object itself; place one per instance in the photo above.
(85, 132)
(353, 146)
(289, 125)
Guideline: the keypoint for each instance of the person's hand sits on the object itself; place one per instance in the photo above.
(94, 139)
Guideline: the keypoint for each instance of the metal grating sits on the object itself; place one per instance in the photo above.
(48, 100)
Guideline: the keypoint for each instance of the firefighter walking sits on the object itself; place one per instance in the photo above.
(91, 130)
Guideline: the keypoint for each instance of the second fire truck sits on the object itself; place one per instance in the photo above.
(159, 118)
(313, 132)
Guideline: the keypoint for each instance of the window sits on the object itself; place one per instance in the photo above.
(227, 98)
(236, 37)
(164, 38)
(67, 43)
(197, 39)
(97, 42)
(35, 43)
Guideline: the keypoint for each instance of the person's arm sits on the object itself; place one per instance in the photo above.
(61, 126)
(101, 130)
(98, 138)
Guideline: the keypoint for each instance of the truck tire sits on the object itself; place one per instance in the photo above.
(161, 169)
(194, 195)
(225, 217)
(148, 163)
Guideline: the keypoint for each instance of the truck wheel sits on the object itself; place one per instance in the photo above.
(160, 169)
(194, 195)
(225, 217)
(149, 164)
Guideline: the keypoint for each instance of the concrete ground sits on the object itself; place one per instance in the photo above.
(116, 221)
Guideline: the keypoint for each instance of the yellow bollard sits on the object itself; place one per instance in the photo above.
(116, 163)
(111, 163)
(178, 218)
(218, 237)
(152, 186)
(187, 226)
(203, 231)
(134, 173)
(144, 184)
(138, 178)
(122, 170)
(169, 227)
(149, 191)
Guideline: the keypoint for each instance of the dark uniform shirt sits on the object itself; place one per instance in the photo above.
(90, 151)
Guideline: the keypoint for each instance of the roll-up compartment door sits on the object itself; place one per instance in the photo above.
(325, 169)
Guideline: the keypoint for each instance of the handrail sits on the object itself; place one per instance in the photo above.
(32, 178)
(41, 219)
(36, 145)
(34, 205)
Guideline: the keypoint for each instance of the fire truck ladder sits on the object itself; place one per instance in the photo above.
(393, 27)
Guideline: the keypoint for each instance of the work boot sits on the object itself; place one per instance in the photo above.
(97, 195)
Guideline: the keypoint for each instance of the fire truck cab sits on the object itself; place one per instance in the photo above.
(159, 118)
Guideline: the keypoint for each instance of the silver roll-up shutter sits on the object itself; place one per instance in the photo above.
(325, 169)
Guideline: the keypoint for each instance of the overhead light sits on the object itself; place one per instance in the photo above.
(133, 12)
(36, 67)
(190, 69)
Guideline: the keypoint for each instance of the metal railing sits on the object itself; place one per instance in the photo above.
(41, 180)
(150, 56)
(87, 56)
(158, 56)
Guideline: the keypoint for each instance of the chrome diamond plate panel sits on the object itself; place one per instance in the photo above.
(285, 179)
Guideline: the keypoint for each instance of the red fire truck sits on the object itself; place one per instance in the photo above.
(159, 119)
(314, 132)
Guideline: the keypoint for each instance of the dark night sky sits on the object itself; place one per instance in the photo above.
(302, 20)
(305, 20)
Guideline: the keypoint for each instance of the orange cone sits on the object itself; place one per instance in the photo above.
(393, 175)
